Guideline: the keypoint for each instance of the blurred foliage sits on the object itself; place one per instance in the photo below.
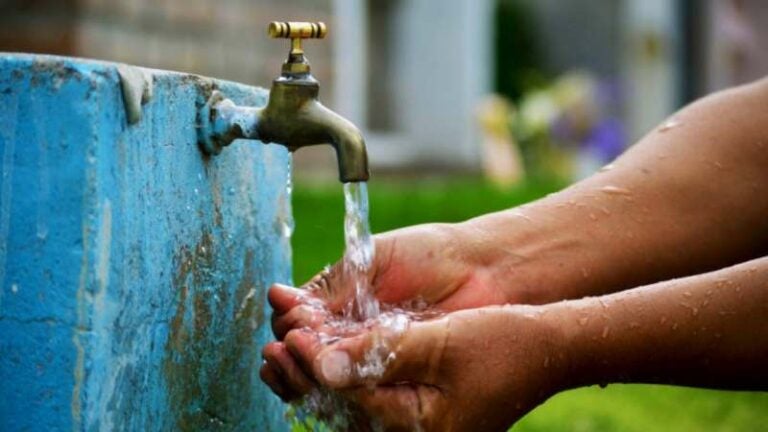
(319, 211)
(642, 408)
(517, 54)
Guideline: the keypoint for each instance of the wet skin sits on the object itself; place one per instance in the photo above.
(682, 202)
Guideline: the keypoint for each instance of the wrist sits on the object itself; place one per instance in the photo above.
(592, 336)
(550, 346)
(530, 255)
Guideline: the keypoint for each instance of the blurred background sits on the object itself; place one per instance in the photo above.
(468, 106)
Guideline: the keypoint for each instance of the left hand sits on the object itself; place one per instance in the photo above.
(479, 369)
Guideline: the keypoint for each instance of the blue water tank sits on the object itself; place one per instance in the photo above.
(133, 268)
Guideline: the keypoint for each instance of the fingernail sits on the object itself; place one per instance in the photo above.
(335, 367)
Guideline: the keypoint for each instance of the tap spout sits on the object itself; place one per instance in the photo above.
(294, 118)
(314, 124)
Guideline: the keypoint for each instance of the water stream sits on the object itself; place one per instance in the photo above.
(362, 311)
(358, 254)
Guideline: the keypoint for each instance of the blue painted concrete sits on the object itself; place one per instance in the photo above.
(133, 269)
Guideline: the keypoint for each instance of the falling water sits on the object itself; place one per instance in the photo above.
(358, 253)
(287, 223)
(362, 311)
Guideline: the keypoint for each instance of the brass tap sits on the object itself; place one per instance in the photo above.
(293, 116)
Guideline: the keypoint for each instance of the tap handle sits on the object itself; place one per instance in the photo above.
(297, 30)
(296, 65)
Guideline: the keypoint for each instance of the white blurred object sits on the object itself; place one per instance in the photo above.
(738, 42)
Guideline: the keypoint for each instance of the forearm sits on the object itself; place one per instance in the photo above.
(680, 202)
(709, 330)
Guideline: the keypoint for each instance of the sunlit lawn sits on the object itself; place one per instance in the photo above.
(318, 241)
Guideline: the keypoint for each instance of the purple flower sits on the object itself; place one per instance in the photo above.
(607, 139)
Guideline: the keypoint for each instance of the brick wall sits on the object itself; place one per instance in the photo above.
(219, 38)
(38, 26)
(223, 38)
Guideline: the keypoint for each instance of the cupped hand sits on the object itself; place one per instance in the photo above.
(478, 369)
(438, 265)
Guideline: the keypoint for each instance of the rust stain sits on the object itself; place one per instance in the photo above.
(210, 354)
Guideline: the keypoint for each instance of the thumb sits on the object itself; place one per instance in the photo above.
(390, 353)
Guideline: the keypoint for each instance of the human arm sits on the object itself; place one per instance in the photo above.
(485, 368)
(685, 199)
(680, 202)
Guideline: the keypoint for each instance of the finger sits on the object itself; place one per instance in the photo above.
(398, 407)
(272, 378)
(294, 380)
(382, 355)
(283, 298)
(298, 317)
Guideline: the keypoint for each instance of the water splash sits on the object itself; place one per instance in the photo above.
(358, 254)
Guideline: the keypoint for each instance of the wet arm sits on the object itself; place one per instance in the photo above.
(709, 330)
(685, 199)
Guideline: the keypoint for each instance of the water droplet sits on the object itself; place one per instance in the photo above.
(592, 216)
(607, 168)
(197, 192)
(231, 191)
(687, 294)
(615, 190)
(583, 321)
(521, 215)
(584, 273)
(669, 125)
(674, 326)
(546, 361)
(606, 330)
(14, 288)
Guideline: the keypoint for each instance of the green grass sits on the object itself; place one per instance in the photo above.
(318, 240)
(643, 408)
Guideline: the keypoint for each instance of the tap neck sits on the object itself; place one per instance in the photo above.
(297, 64)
